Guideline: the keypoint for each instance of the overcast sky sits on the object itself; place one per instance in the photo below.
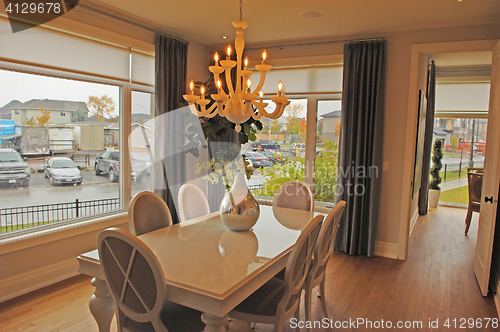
(24, 87)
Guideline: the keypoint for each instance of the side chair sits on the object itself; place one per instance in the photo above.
(278, 300)
(322, 253)
(147, 212)
(137, 284)
(294, 195)
(192, 202)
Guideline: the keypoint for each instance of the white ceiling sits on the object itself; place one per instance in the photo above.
(279, 20)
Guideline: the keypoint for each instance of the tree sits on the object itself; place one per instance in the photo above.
(276, 126)
(437, 155)
(302, 129)
(44, 118)
(292, 117)
(454, 142)
(337, 129)
(29, 122)
(79, 115)
(102, 107)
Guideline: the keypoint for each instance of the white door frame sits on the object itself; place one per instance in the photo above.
(417, 80)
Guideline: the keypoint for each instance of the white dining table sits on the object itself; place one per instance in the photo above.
(207, 266)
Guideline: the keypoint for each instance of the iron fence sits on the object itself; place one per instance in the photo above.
(452, 171)
(17, 218)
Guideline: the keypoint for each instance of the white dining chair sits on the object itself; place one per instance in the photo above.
(322, 252)
(147, 212)
(137, 285)
(294, 195)
(192, 202)
(278, 300)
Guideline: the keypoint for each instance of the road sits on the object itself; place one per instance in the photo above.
(40, 192)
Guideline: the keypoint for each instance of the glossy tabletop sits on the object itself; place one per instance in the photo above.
(211, 268)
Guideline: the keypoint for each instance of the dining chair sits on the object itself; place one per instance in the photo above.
(147, 212)
(322, 253)
(137, 284)
(294, 195)
(475, 184)
(192, 202)
(278, 300)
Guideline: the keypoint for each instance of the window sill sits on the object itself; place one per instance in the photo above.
(51, 233)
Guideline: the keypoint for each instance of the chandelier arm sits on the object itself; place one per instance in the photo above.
(207, 112)
(229, 82)
(261, 82)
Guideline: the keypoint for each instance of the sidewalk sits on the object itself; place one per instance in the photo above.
(453, 184)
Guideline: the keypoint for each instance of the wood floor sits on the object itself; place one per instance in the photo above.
(436, 283)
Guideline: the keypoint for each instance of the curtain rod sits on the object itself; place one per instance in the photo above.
(281, 47)
(158, 32)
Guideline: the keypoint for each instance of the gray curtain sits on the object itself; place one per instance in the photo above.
(170, 167)
(360, 162)
(429, 128)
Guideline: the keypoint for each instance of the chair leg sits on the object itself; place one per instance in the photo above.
(323, 297)
(468, 220)
(308, 303)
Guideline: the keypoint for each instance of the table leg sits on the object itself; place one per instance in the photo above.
(214, 323)
(101, 305)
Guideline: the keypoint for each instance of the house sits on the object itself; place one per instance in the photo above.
(5, 111)
(61, 111)
(331, 126)
(453, 33)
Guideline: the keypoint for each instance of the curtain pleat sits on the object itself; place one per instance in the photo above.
(423, 199)
(170, 85)
(361, 141)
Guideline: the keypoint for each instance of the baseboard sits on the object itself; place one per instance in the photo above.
(386, 249)
(413, 220)
(27, 282)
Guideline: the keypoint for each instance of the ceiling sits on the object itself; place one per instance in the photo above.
(280, 20)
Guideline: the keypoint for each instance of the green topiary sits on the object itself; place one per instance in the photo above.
(437, 155)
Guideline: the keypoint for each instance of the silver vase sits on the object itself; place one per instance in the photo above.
(239, 210)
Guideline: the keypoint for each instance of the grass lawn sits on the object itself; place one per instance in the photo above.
(453, 175)
(457, 195)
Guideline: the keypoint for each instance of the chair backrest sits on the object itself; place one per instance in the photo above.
(294, 195)
(192, 202)
(324, 244)
(134, 277)
(147, 212)
(297, 267)
(475, 182)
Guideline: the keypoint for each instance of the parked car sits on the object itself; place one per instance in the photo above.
(13, 168)
(108, 162)
(60, 170)
(265, 144)
(274, 156)
(258, 159)
(297, 145)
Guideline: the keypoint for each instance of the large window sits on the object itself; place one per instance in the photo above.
(71, 99)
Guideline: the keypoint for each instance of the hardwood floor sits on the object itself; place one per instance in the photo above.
(436, 283)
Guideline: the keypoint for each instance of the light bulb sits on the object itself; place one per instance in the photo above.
(202, 90)
(216, 56)
(246, 62)
(280, 86)
(264, 55)
(249, 83)
(228, 50)
(191, 85)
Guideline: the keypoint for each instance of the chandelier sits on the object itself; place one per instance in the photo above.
(235, 103)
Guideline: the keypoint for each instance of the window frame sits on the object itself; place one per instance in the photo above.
(125, 117)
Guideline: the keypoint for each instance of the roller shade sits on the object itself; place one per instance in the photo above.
(303, 80)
